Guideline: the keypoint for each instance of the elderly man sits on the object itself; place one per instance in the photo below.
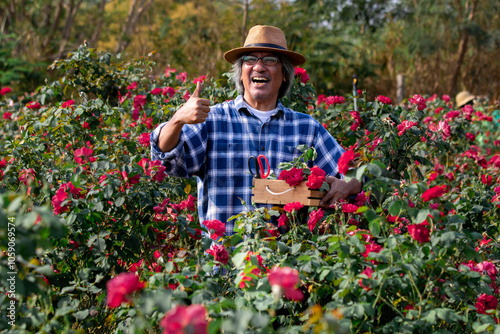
(215, 142)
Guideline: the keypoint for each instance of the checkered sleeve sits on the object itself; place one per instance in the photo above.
(328, 149)
(188, 156)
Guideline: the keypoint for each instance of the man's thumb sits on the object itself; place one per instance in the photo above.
(197, 90)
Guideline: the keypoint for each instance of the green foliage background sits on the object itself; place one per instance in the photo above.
(439, 46)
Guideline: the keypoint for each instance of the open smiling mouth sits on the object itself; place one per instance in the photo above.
(260, 80)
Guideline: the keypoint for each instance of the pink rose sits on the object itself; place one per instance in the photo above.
(120, 288)
(185, 319)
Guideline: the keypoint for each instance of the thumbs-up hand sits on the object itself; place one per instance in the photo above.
(195, 110)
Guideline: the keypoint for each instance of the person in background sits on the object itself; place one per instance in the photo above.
(214, 142)
(464, 98)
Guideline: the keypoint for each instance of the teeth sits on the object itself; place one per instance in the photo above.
(259, 80)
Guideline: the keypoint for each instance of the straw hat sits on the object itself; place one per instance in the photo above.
(463, 97)
(268, 39)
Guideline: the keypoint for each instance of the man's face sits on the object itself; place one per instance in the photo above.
(262, 82)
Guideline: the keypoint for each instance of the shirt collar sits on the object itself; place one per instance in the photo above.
(239, 103)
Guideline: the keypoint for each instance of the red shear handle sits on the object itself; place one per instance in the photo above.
(261, 167)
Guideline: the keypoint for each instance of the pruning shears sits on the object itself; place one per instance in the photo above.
(259, 167)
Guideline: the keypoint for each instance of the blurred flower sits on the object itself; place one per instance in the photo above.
(139, 101)
(405, 125)
(419, 232)
(156, 170)
(349, 208)
(5, 90)
(334, 100)
(383, 99)
(200, 79)
(185, 319)
(419, 101)
(487, 179)
(144, 139)
(84, 155)
(120, 287)
(470, 136)
(486, 302)
(293, 206)
(219, 252)
(368, 272)
(132, 86)
(282, 220)
(301, 74)
(182, 76)
(285, 281)
(7, 116)
(33, 105)
(215, 227)
(68, 103)
(436, 191)
(169, 70)
(168, 91)
(27, 176)
(156, 91)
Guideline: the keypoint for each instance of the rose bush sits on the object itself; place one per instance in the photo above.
(106, 242)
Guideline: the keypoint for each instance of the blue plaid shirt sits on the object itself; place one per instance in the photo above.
(217, 152)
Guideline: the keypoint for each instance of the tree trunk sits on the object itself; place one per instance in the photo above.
(70, 17)
(53, 27)
(97, 32)
(137, 8)
(244, 23)
(462, 49)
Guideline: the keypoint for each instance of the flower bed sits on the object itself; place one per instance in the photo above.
(106, 242)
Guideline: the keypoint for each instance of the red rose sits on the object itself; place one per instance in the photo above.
(486, 302)
(349, 208)
(219, 252)
(344, 161)
(293, 206)
(316, 178)
(314, 217)
(433, 192)
(215, 227)
(156, 91)
(295, 176)
(419, 232)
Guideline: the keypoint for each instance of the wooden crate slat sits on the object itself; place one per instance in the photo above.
(301, 193)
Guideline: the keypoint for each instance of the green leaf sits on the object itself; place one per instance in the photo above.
(119, 201)
(81, 315)
(396, 208)
(422, 215)
(374, 227)
(296, 248)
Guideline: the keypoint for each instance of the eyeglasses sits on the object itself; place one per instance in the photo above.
(268, 60)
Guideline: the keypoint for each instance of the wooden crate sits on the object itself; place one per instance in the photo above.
(268, 191)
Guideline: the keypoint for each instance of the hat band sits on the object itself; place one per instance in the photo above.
(265, 45)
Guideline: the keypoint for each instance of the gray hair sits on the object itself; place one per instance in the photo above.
(288, 74)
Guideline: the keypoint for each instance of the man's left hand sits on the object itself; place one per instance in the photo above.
(340, 190)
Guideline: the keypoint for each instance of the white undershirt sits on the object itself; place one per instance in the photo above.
(264, 116)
